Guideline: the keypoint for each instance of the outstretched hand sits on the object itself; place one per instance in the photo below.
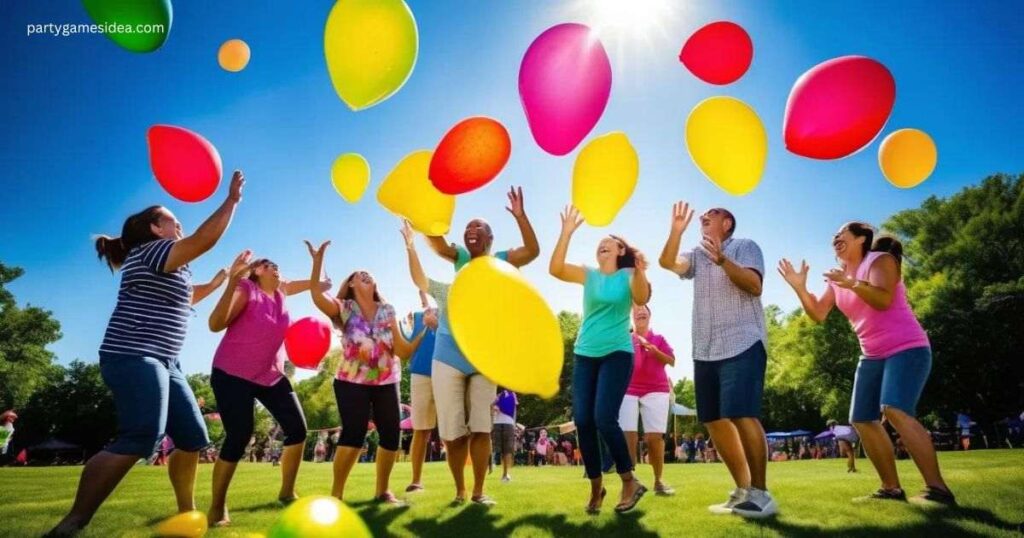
(713, 248)
(240, 267)
(317, 253)
(237, 182)
(515, 203)
(571, 219)
(681, 216)
(796, 279)
(407, 233)
(840, 278)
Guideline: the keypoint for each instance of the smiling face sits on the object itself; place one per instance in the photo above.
(846, 245)
(167, 225)
(608, 250)
(430, 318)
(478, 237)
(717, 223)
(362, 284)
(641, 319)
(266, 272)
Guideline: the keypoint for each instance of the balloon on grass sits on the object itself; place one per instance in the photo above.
(408, 193)
(350, 176)
(370, 47)
(907, 157)
(604, 177)
(718, 53)
(564, 82)
(838, 107)
(728, 143)
(185, 164)
(505, 328)
(307, 341)
(121, 19)
(470, 155)
(319, 516)
(233, 55)
(185, 525)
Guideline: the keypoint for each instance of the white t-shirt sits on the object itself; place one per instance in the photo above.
(502, 418)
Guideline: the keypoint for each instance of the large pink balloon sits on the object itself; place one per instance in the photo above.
(838, 107)
(564, 83)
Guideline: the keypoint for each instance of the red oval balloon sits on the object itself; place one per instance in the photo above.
(719, 53)
(185, 164)
(838, 107)
(307, 341)
(470, 155)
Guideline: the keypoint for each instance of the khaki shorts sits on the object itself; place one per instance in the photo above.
(463, 402)
(424, 412)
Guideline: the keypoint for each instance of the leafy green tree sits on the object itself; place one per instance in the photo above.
(317, 394)
(536, 411)
(25, 363)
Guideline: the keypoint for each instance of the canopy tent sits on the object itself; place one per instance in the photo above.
(788, 435)
(824, 436)
(799, 433)
(568, 427)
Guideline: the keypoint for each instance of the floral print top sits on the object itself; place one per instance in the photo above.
(368, 356)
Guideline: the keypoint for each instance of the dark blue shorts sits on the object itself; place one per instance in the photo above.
(731, 388)
(895, 381)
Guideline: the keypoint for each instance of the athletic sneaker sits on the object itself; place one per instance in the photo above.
(506, 479)
(935, 495)
(484, 500)
(884, 495)
(737, 496)
(758, 504)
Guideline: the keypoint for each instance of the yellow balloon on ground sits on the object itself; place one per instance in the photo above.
(907, 157)
(350, 176)
(505, 328)
(727, 142)
(604, 177)
(185, 525)
(233, 55)
(408, 193)
(371, 48)
(319, 516)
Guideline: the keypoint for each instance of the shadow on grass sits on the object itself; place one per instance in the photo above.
(939, 521)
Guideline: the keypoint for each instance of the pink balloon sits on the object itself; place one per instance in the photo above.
(838, 107)
(719, 53)
(564, 83)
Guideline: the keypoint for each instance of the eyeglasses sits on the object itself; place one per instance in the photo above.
(270, 265)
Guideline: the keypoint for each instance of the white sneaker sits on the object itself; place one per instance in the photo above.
(759, 504)
(737, 496)
(506, 479)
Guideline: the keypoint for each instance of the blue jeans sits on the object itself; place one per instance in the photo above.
(895, 381)
(598, 386)
(152, 399)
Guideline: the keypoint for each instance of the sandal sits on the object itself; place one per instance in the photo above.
(483, 500)
(413, 488)
(622, 508)
(389, 498)
(594, 509)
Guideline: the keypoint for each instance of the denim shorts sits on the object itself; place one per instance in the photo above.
(894, 381)
(152, 399)
(731, 388)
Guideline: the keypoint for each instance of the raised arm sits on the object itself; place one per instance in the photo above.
(638, 283)
(419, 278)
(210, 231)
(520, 256)
(442, 247)
(202, 291)
(878, 290)
(424, 303)
(233, 300)
(566, 272)
(326, 304)
(293, 287)
(745, 278)
(669, 259)
(404, 348)
(815, 308)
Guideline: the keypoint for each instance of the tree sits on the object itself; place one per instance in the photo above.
(535, 411)
(25, 363)
(317, 394)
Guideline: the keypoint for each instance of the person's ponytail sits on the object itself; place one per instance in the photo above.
(136, 231)
(889, 245)
(112, 249)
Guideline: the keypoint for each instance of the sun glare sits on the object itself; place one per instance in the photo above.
(626, 18)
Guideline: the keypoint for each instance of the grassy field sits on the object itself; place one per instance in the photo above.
(814, 497)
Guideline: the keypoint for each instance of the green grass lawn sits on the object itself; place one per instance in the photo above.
(814, 497)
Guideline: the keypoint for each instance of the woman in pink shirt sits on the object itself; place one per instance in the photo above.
(649, 395)
(868, 288)
(248, 366)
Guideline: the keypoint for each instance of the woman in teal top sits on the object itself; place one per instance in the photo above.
(604, 353)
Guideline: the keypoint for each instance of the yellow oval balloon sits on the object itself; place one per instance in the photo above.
(604, 177)
(907, 157)
(505, 328)
(408, 193)
(371, 48)
(350, 176)
(727, 142)
(186, 525)
(233, 55)
(319, 516)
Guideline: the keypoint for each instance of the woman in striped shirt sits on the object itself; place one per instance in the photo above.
(139, 353)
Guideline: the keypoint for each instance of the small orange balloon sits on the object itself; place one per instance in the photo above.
(471, 154)
(233, 55)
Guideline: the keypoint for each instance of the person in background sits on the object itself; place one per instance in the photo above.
(6, 432)
(504, 431)
(964, 423)
(421, 389)
(541, 447)
(846, 437)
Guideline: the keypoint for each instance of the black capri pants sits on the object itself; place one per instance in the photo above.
(236, 401)
(357, 404)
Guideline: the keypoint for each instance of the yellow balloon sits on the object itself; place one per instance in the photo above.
(371, 48)
(186, 525)
(907, 157)
(319, 516)
(604, 177)
(408, 193)
(727, 141)
(350, 176)
(505, 328)
(233, 55)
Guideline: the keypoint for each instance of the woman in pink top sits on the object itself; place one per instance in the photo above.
(868, 288)
(367, 381)
(249, 366)
(649, 395)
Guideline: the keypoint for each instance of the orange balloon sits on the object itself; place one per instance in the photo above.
(233, 55)
(471, 154)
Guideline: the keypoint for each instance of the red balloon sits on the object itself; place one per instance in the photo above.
(185, 164)
(471, 154)
(838, 107)
(307, 341)
(719, 53)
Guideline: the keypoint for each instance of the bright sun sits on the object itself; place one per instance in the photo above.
(626, 18)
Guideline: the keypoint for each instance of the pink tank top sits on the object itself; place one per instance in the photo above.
(252, 347)
(882, 333)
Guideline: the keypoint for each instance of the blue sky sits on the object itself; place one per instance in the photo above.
(74, 112)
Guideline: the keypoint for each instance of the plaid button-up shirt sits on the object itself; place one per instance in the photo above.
(726, 319)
